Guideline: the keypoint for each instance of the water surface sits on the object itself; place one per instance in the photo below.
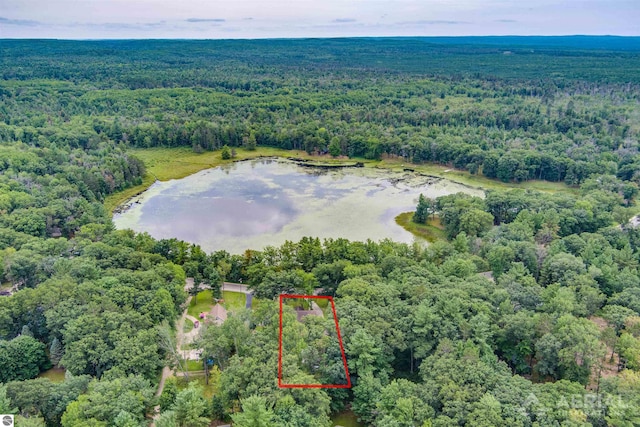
(346, 419)
(252, 204)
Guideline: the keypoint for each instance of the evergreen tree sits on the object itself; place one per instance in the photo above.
(250, 142)
(254, 413)
(422, 211)
(167, 419)
(226, 153)
(191, 408)
(56, 351)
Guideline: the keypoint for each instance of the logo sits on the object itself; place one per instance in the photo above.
(6, 420)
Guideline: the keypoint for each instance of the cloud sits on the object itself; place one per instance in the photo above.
(21, 22)
(344, 20)
(115, 26)
(194, 20)
(436, 22)
(508, 21)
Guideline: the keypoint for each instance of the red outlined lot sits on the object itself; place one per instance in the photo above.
(344, 358)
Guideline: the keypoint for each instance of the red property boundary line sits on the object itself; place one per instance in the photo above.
(344, 357)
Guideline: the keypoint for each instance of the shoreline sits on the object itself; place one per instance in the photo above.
(431, 231)
(165, 164)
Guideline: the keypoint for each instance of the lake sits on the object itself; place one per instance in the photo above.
(255, 203)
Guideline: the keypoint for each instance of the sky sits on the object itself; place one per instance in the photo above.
(224, 19)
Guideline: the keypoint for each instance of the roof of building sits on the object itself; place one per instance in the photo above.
(218, 314)
(315, 311)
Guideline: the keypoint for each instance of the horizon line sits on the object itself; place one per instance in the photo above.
(318, 37)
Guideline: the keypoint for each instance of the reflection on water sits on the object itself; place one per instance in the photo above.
(253, 204)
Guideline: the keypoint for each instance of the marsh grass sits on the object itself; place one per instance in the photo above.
(431, 231)
(165, 164)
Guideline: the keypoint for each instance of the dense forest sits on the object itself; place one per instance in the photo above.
(528, 314)
(419, 101)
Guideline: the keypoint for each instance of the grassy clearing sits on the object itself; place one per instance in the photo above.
(194, 365)
(431, 231)
(165, 164)
(325, 306)
(208, 390)
(175, 163)
(188, 326)
(323, 303)
(114, 200)
(55, 375)
(204, 303)
(255, 303)
(234, 301)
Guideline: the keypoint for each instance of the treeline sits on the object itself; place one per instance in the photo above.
(505, 136)
(257, 64)
(561, 129)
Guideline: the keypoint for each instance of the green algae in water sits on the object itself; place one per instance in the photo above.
(252, 204)
(346, 419)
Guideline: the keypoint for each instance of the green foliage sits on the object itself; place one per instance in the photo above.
(41, 397)
(169, 393)
(422, 210)
(334, 147)
(580, 347)
(108, 402)
(29, 421)
(225, 154)
(250, 142)
(191, 408)
(629, 349)
(255, 413)
(463, 213)
(116, 343)
(624, 392)
(167, 419)
(514, 129)
(291, 282)
(56, 352)
(22, 358)
(5, 402)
